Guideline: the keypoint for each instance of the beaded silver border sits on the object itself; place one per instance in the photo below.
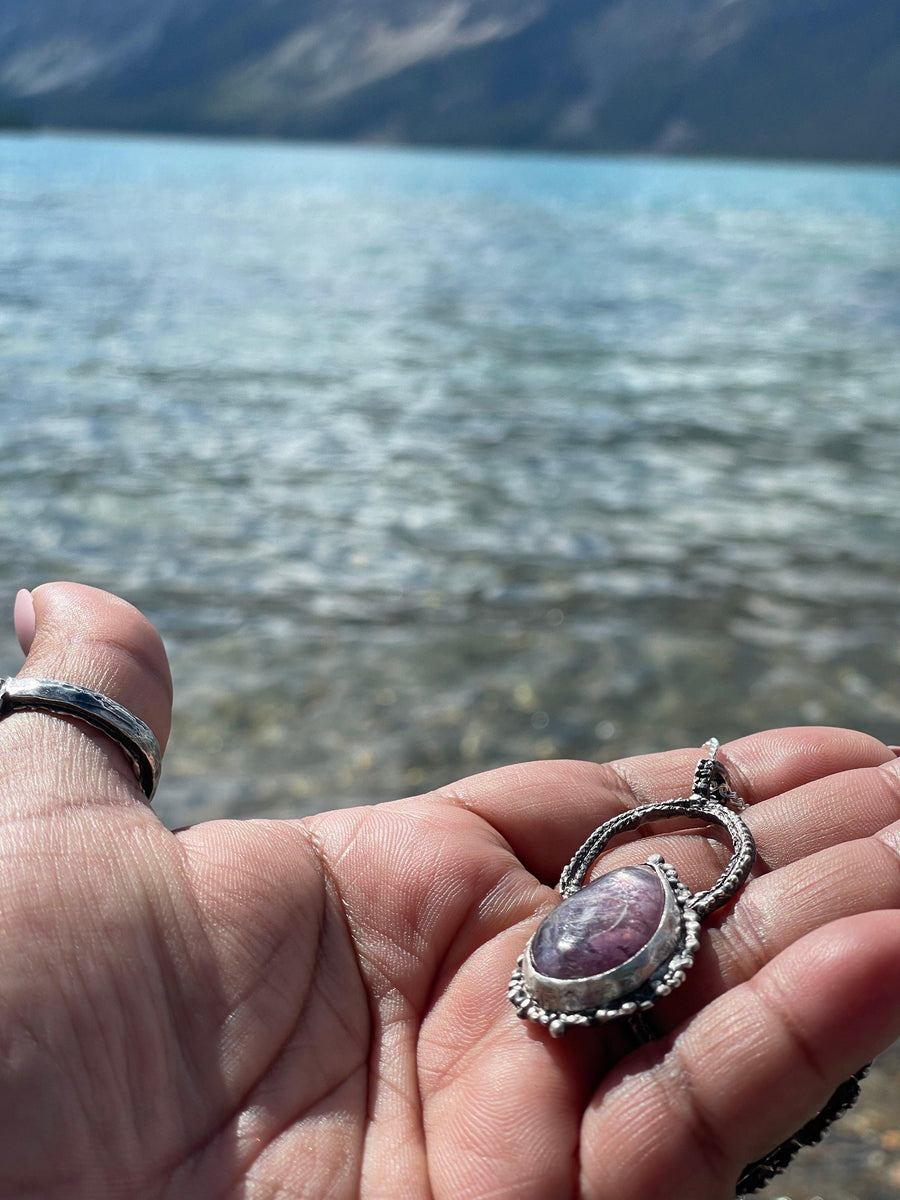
(668, 976)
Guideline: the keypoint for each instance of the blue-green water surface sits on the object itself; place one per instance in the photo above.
(426, 461)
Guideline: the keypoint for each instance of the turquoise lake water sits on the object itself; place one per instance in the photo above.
(424, 462)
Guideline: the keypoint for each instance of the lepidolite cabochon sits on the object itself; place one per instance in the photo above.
(602, 926)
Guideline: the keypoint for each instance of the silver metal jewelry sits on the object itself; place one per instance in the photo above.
(630, 987)
(560, 998)
(68, 700)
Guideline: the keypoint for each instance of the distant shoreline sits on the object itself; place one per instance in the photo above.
(31, 128)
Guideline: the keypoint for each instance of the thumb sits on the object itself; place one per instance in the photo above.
(87, 637)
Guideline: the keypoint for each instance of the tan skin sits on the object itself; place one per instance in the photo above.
(265, 1009)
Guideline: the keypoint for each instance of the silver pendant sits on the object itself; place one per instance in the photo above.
(653, 953)
(615, 946)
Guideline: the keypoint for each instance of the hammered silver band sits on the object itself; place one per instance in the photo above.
(54, 696)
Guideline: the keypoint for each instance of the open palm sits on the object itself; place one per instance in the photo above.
(317, 1008)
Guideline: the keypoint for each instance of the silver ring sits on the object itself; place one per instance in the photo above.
(53, 696)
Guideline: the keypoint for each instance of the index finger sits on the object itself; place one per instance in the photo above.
(545, 810)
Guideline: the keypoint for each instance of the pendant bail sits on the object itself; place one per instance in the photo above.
(711, 781)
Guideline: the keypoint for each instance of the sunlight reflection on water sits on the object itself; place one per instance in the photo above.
(426, 462)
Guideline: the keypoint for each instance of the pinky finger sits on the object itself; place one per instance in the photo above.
(680, 1118)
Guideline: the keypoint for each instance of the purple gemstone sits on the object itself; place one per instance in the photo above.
(601, 926)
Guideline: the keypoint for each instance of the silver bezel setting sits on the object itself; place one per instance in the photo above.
(635, 985)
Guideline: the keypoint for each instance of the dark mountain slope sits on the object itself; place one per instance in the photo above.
(799, 78)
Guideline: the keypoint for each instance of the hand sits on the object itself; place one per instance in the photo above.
(259, 1009)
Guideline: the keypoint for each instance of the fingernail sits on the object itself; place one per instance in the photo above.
(895, 750)
(23, 619)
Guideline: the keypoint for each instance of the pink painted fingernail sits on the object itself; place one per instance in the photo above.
(23, 619)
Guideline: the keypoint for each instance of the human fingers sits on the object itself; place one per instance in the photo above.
(682, 1116)
(90, 638)
(825, 853)
(482, 1051)
(780, 907)
(546, 810)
